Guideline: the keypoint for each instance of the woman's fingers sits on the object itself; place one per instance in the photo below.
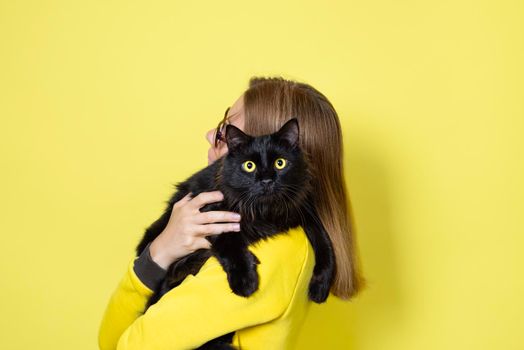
(216, 216)
(205, 198)
(184, 200)
(215, 229)
(202, 243)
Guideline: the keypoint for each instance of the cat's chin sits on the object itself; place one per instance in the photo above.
(265, 195)
(267, 200)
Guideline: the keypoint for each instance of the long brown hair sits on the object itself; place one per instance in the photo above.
(271, 101)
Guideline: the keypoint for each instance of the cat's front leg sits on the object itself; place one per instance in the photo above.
(238, 262)
(324, 270)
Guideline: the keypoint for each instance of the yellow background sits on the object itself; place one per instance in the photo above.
(104, 105)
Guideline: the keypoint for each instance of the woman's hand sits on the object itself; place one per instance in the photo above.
(187, 228)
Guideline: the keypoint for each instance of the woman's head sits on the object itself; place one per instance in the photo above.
(263, 108)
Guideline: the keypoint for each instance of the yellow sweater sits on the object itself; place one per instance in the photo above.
(203, 306)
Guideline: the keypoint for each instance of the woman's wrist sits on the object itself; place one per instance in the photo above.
(159, 255)
(148, 271)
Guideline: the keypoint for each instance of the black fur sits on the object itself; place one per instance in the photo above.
(283, 202)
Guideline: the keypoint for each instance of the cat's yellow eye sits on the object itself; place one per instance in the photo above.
(280, 163)
(249, 166)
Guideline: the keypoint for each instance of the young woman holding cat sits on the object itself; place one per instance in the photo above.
(202, 307)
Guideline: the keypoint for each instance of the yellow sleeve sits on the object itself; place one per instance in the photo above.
(201, 308)
(126, 304)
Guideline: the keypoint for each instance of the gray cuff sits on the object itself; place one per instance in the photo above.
(148, 271)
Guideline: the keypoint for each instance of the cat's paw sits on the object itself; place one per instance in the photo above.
(319, 289)
(243, 282)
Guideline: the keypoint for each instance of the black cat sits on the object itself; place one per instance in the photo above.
(267, 180)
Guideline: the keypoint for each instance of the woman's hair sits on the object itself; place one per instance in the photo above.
(268, 104)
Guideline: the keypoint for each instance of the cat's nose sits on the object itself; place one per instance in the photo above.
(267, 185)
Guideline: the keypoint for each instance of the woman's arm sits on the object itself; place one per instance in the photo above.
(202, 307)
(184, 233)
(129, 299)
(147, 270)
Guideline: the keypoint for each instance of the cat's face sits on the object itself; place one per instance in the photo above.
(265, 168)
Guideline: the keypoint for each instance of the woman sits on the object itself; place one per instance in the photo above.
(203, 307)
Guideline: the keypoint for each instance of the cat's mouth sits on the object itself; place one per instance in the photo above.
(267, 191)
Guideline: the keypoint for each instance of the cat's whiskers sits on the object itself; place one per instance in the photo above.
(294, 189)
(295, 204)
(245, 202)
(297, 190)
(251, 201)
(239, 203)
(290, 200)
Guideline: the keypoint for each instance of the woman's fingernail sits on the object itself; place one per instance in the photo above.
(236, 216)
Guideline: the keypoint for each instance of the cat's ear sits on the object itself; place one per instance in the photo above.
(235, 137)
(289, 132)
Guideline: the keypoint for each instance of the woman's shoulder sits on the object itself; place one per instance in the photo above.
(284, 247)
(283, 257)
(286, 265)
(287, 258)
